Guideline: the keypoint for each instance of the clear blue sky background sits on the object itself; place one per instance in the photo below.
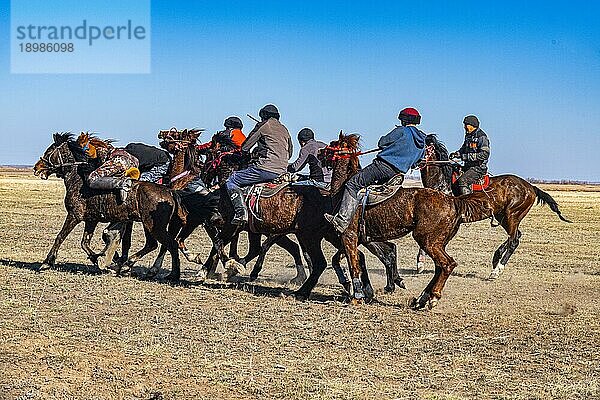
(529, 70)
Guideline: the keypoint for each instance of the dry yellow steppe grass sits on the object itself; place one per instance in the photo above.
(533, 333)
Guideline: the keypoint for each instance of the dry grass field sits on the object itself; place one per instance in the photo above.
(69, 334)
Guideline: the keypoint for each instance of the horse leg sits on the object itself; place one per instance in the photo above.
(88, 233)
(350, 243)
(339, 271)
(292, 247)
(261, 258)
(112, 238)
(150, 245)
(233, 248)
(254, 248)
(126, 242)
(364, 277)
(511, 245)
(68, 225)
(174, 228)
(386, 253)
(421, 260)
(444, 265)
(312, 247)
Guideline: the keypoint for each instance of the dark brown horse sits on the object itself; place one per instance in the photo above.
(300, 210)
(508, 197)
(153, 205)
(431, 216)
(219, 164)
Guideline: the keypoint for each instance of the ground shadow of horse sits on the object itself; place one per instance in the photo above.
(74, 268)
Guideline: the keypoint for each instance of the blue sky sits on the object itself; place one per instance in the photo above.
(529, 70)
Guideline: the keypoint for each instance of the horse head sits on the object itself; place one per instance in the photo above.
(341, 157)
(62, 153)
(174, 139)
(436, 175)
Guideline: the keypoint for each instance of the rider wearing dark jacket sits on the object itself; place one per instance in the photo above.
(269, 158)
(401, 149)
(154, 162)
(309, 149)
(474, 152)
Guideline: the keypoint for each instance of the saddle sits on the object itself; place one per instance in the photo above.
(264, 190)
(379, 193)
(478, 186)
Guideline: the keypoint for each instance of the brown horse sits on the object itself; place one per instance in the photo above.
(432, 216)
(300, 210)
(215, 170)
(151, 204)
(508, 198)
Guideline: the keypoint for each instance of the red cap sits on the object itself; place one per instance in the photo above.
(410, 111)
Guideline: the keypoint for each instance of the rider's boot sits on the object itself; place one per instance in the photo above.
(341, 220)
(237, 199)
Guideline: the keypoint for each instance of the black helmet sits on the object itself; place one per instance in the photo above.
(305, 135)
(233, 122)
(268, 111)
(471, 120)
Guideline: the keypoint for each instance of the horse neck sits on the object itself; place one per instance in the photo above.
(177, 164)
(343, 170)
(433, 177)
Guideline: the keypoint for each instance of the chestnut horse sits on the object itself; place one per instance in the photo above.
(432, 216)
(508, 197)
(299, 210)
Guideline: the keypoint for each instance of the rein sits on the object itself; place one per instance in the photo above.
(52, 166)
(340, 153)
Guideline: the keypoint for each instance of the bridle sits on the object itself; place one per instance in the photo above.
(52, 167)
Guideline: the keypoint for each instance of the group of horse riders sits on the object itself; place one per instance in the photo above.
(271, 147)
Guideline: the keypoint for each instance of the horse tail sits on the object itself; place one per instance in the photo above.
(545, 198)
(471, 209)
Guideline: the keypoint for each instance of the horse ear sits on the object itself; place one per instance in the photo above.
(56, 137)
(341, 136)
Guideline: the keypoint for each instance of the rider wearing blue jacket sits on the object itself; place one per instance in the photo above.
(401, 149)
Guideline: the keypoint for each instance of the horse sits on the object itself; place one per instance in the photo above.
(300, 211)
(508, 198)
(153, 205)
(431, 216)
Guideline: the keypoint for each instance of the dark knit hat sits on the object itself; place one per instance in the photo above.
(410, 115)
(305, 135)
(268, 111)
(233, 122)
(471, 120)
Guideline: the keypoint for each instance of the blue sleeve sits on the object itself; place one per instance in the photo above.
(388, 139)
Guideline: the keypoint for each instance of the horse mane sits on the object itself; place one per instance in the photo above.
(441, 152)
(61, 137)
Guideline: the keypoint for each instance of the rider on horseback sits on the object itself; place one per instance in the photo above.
(319, 175)
(475, 153)
(401, 149)
(154, 162)
(117, 169)
(231, 136)
(269, 159)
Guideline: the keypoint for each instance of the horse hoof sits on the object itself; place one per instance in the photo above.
(420, 267)
(356, 302)
(297, 281)
(496, 272)
(233, 268)
(421, 302)
(44, 267)
(389, 289)
(172, 277)
(300, 296)
(252, 277)
(400, 283)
